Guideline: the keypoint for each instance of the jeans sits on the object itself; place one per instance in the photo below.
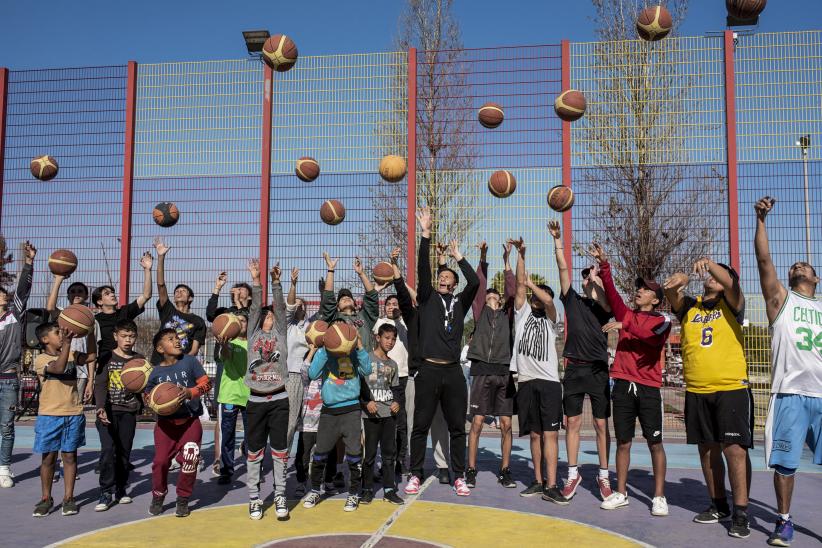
(228, 430)
(9, 389)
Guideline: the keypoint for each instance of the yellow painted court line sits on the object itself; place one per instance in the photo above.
(392, 519)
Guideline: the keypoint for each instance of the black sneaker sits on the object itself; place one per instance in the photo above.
(504, 478)
(224, 480)
(532, 490)
(106, 501)
(69, 507)
(554, 494)
(43, 508)
(444, 476)
(351, 503)
(392, 497)
(182, 507)
(156, 507)
(471, 478)
(367, 496)
(712, 515)
(740, 526)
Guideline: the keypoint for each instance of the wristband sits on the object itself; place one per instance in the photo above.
(330, 270)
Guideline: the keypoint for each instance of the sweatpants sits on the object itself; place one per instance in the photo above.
(294, 387)
(345, 426)
(382, 431)
(439, 430)
(439, 386)
(228, 435)
(306, 441)
(180, 440)
(116, 440)
(267, 422)
(401, 441)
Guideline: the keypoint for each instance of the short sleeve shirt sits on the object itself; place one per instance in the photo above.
(584, 318)
(189, 327)
(58, 392)
(106, 323)
(535, 351)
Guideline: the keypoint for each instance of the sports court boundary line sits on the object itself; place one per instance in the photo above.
(380, 533)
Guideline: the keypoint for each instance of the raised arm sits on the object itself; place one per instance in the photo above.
(424, 287)
(278, 300)
(54, 292)
(146, 261)
(773, 291)
(730, 285)
(472, 282)
(328, 301)
(162, 290)
(559, 252)
(214, 299)
(256, 296)
(544, 297)
(522, 276)
(23, 290)
(59, 364)
(292, 290)
(482, 275)
(618, 308)
(674, 288)
(360, 271)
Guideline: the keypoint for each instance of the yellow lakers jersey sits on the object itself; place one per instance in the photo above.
(712, 354)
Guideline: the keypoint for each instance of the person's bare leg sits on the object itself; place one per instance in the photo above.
(536, 456)
(47, 473)
(713, 469)
(477, 422)
(69, 473)
(623, 462)
(572, 438)
(737, 457)
(783, 487)
(660, 464)
(506, 440)
(550, 449)
(603, 442)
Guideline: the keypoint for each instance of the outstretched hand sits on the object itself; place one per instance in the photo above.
(330, 263)
(553, 229)
(254, 268)
(763, 206)
(161, 247)
(221, 280)
(146, 260)
(676, 281)
(424, 218)
(29, 252)
(358, 269)
(295, 274)
(595, 250)
(276, 272)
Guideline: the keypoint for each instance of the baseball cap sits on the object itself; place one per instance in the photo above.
(344, 292)
(649, 283)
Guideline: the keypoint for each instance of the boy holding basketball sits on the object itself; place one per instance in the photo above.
(117, 410)
(233, 395)
(343, 306)
(61, 425)
(180, 433)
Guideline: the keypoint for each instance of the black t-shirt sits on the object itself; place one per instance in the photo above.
(189, 327)
(584, 319)
(105, 324)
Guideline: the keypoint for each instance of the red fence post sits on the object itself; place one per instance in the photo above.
(730, 128)
(265, 179)
(411, 259)
(128, 181)
(567, 231)
(4, 87)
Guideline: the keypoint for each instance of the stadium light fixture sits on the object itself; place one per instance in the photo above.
(804, 143)
(254, 40)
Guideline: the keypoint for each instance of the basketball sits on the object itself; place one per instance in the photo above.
(77, 318)
(44, 168)
(745, 9)
(340, 339)
(383, 272)
(62, 262)
(654, 23)
(502, 184)
(163, 398)
(307, 169)
(134, 374)
(560, 198)
(570, 105)
(392, 168)
(490, 115)
(166, 214)
(332, 212)
(314, 333)
(280, 52)
(226, 326)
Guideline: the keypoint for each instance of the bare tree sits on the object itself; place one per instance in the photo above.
(6, 258)
(445, 151)
(652, 211)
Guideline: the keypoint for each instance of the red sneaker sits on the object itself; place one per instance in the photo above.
(460, 488)
(413, 486)
(604, 487)
(570, 488)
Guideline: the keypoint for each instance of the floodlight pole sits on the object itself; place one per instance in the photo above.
(803, 145)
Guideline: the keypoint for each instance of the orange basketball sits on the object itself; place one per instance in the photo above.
(490, 115)
(560, 198)
(340, 339)
(166, 214)
(393, 168)
(77, 318)
(134, 374)
(570, 105)
(163, 398)
(226, 326)
(307, 169)
(315, 331)
(44, 168)
(332, 212)
(280, 52)
(62, 262)
(383, 272)
(745, 9)
(654, 23)
(502, 184)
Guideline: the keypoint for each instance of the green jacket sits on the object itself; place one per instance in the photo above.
(364, 318)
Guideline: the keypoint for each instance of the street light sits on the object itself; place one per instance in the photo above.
(804, 143)
(254, 40)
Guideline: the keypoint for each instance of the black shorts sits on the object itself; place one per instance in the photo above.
(720, 417)
(539, 405)
(634, 401)
(267, 423)
(591, 379)
(492, 395)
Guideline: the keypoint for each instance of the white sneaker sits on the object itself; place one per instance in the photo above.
(281, 506)
(255, 509)
(616, 500)
(6, 477)
(659, 507)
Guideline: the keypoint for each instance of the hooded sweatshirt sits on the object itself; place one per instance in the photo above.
(267, 351)
(11, 324)
(341, 379)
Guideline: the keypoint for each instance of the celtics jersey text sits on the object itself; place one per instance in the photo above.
(796, 347)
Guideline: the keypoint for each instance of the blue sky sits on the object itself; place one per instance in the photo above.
(94, 32)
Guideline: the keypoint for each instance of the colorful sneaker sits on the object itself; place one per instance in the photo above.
(106, 501)
(782, 534)
(504, 478)
(351, 503)
(392, 497)
(659, 506)
(69, 507)
(311, 500)
(604, 487)
(616, 500)
(255, 509)
(413, 486)
(156, 507)
(570, 487)
(43, 508)
(281, 506)
(740, 527)
(182, 510)
(471, 477)
(712, 515)
(532, 490)
(367, 496)
(553, 494)
(461, 487)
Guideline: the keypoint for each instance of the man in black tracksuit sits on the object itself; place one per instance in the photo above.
(440, 380)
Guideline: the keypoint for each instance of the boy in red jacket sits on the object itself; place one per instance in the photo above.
(637, 374)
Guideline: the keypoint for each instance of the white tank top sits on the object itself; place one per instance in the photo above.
(796, 347)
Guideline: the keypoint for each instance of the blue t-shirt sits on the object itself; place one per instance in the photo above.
(183, 373)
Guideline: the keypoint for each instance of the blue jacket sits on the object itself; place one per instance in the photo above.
(341, 376)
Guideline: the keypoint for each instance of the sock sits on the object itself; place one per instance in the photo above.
(573, 472)
(720, 504)
(603, 473)
(786, 517)
(740, 509)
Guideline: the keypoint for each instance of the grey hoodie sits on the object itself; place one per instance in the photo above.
(267, 352)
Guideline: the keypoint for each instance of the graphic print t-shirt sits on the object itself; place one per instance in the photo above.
(183, 373)
(384, 375)
(109, 389)
(535, 352)
(312, 401)
(189, 327)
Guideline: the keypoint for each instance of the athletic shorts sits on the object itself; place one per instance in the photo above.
(64, 434)
(793, 421)
(590, 379)
(632, 401)
(492, 395)
(720, 417)
(539, 405)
